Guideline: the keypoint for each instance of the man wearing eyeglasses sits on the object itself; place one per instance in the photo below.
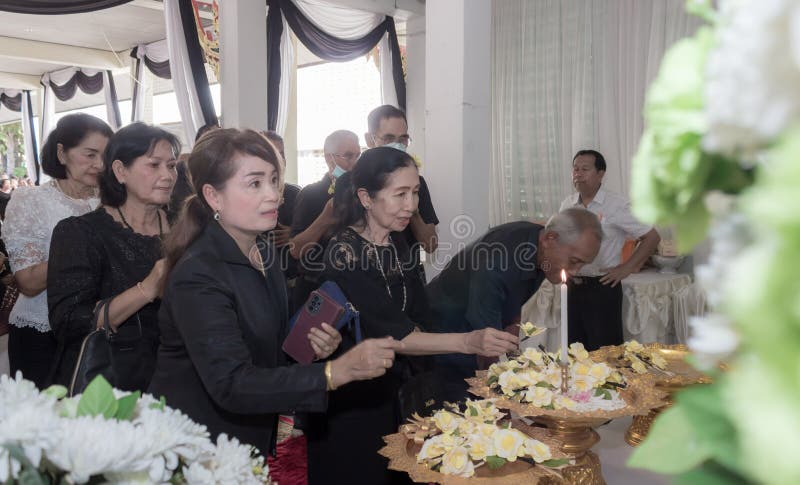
(313, 213)
(388, 127)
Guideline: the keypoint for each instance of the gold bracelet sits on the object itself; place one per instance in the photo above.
(329, 376)
(139, 285)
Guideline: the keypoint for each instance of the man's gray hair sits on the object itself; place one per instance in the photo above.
(332, 141)
(570, 223)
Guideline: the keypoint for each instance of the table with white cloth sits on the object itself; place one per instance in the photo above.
(655, 308)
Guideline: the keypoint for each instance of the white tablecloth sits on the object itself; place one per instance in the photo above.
(655, 308)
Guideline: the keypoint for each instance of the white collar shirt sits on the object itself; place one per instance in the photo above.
(618, 223)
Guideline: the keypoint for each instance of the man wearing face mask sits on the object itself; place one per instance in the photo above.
(313, 216)
(388, 127)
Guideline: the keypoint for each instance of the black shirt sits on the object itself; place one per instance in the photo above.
(220, 360)
(93, 257)
(309, 205)
(487, 283)
(285, 216)
(182, 190)
(428, 215)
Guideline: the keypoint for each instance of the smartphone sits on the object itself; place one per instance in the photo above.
(317, 309)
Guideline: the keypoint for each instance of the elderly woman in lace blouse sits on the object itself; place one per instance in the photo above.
(115, 252)
(73, 156)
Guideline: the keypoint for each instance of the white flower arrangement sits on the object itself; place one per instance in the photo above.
(535, 377)
(116, 437)
(466, 440)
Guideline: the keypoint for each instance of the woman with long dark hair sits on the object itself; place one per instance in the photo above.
(73, 156)
(377, 274)
(224, 312)
(115, 252)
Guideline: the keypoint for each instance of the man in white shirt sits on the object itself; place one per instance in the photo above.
(595, 293)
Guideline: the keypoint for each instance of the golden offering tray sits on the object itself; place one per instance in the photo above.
(402, 451)
(575, 430)
(677, 375)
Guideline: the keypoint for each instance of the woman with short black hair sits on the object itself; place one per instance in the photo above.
(115, 253)
(73, 156)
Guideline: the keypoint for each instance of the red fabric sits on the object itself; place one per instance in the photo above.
(290, 466)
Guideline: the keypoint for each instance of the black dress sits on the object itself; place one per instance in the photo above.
(93, 257)
(343, 444)
(220, 360)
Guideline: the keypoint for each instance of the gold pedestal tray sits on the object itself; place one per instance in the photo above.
(676, 376)
(577, 436)
(575, 430)
(402, 454)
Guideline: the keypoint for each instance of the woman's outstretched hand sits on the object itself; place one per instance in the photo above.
(367, 360)
(490, 342)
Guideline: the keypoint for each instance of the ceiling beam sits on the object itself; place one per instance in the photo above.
(12, 80)
(60, 54)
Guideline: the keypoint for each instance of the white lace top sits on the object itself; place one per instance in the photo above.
(31, 215)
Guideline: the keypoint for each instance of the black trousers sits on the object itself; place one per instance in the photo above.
(32, 352)
(595, 312)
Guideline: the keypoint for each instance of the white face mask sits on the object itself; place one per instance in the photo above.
(397, 146)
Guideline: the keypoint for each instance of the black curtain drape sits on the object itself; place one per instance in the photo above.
(197, 63)
(14, 103)
(324, 46)
(32, 131)
(57, 7)
(88, 84)
(160, 69)
(112, 91)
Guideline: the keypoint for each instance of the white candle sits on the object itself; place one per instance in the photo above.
(564, 319)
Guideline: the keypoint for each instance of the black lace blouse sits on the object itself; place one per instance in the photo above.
(93, 257)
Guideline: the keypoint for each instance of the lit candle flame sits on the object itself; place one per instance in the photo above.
(563, 276)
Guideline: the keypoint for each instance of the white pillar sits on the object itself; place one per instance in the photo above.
(243, 59)
(290, 133)
(457, 122)
(415, 85)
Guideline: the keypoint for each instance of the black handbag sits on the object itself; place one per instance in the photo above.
(116, 356)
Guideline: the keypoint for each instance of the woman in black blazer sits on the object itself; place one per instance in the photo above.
(223, 315)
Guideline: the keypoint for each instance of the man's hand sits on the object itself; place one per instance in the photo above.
(281, 235)
(615, 275)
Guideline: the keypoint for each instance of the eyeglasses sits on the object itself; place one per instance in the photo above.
(386, 139)
(349, 156)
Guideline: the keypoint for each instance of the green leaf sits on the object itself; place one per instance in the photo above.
(710, 473)
(56, 391)
(29, 474)
(671, 446)
(705, 411)
(473, 411)
(160, 405)
(97, 399)
(542, 384)
(495, 462)
(554, 463)
(126, 405)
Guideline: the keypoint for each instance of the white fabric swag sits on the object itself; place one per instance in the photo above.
(570, 75)
(157, 51)
(181, 70)
(341, 22)
(61, 78)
